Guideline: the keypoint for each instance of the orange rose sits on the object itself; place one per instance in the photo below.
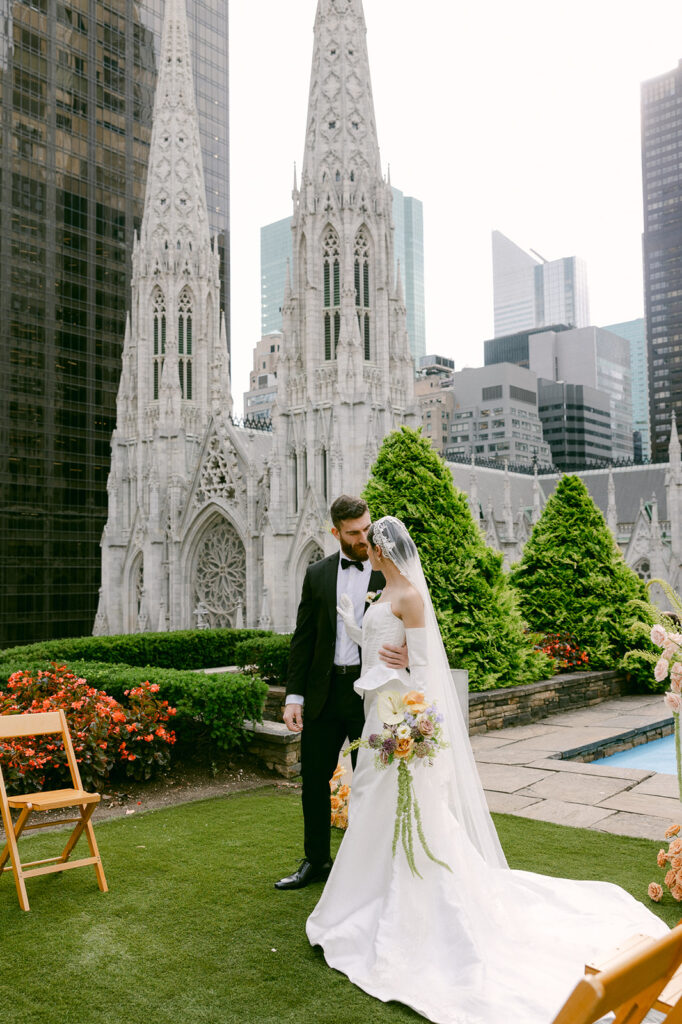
(662, 858)
(670, 878)
(672, 831)
(336, 802)
(676, 862)
(414, 702)
(675, 846)
(655, 892)
(676, 893)
(403, 747)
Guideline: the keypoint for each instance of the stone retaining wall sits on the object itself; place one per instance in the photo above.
(519, 705)
(489, 710)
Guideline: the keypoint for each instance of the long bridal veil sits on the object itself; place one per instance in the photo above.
(464, 791)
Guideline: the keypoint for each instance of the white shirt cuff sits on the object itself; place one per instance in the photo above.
(294, 698)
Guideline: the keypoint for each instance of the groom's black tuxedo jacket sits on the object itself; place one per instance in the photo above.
(311, 656)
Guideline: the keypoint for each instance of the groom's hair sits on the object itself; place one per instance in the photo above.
(347, 507)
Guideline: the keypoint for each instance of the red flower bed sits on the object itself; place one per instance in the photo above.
(563, 647)
(108, 738)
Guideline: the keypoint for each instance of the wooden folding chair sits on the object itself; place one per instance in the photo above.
(41, 724)
(630, 985)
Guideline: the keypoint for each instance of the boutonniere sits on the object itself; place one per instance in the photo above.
(372, 596)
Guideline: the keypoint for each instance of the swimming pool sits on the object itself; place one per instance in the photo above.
(657, 756)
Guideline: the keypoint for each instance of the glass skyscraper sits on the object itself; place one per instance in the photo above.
(408, 220)
(76, 93)
(662, 251)
(530, 291)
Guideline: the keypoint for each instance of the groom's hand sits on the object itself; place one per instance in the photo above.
(394, 657)
(293, 717)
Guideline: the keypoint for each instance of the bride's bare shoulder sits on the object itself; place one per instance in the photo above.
(411, 606)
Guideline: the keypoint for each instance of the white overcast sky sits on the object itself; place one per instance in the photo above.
(519, 115)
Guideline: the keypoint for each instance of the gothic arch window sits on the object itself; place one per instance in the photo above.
(363, 305)
(185, 343)
(159, 331)
(331, 267)
(643, 569)
(219, 576)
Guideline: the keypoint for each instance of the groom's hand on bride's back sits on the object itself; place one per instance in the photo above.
(394, 656)
(293, 717)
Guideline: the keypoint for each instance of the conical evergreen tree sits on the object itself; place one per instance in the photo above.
(478, 613)
(572, 578)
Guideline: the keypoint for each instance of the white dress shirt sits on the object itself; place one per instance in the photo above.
(353, 582)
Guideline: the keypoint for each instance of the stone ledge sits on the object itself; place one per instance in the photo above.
(276, 746)
(521, 705)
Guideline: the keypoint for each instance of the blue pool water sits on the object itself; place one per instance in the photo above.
(657, 756)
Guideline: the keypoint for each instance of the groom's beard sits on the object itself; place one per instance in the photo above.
(358, 552)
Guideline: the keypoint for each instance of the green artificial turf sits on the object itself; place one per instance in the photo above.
(193, 931)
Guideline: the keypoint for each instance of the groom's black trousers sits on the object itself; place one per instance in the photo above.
(341, 716)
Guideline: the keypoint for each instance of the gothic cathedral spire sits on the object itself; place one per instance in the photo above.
(175, 377)
(345, 376)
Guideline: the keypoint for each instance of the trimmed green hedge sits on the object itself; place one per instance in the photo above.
(181, 649)
(269, 654)
(210, 708)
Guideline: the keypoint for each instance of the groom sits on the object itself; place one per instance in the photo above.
(323, 665)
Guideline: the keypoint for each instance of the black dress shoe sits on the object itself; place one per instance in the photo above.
(304, 875)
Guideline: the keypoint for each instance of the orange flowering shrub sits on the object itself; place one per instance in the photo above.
(339, 798)
(671, 861)
(108, 738)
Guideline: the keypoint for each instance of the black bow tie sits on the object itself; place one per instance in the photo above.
(347, 562)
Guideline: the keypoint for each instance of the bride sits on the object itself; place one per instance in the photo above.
(456, 935)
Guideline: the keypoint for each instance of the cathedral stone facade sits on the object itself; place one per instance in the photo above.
(210, 524)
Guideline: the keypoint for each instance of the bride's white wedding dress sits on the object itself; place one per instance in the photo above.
(477, 945)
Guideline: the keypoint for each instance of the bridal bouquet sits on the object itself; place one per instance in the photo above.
(412, 732)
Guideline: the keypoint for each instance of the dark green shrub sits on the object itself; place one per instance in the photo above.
(181, 649)
(572, 578)
(269, 655)
(210, 708)
(477, 610)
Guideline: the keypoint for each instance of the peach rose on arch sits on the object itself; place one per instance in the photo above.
(661, 669)
(658, 635)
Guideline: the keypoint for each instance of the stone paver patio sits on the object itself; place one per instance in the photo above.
(521, 774)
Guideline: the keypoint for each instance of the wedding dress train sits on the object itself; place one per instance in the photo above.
(477, 944)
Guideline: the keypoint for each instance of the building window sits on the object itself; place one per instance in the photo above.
(159, 315)
(362, 295)
(331, 267)
(185, 344)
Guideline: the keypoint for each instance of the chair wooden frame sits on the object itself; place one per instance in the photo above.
(40, 724)
(630, 984)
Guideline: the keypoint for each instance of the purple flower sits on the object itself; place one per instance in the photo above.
(389, 745)
(374, 740)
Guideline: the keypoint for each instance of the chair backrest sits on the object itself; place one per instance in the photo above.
(15, 726)
(629, 986)
(40, 724)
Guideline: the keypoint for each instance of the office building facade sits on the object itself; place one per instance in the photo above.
(591, 356)
(408, 218)
(634, 331)
(495, 416)
(77, 86)
(662, 250)
(530, 291)
(576, 423)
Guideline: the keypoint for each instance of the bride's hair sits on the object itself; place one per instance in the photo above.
(392, 537)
